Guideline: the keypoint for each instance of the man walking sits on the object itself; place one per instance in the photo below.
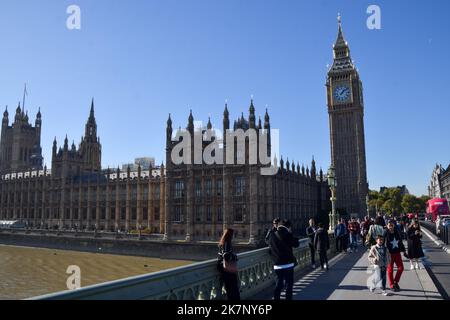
(311, 233)
(339, 234)
(322, 245)
(281, 245)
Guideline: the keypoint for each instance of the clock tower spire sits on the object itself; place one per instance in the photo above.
(346, 119)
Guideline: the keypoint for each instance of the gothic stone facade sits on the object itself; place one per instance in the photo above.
(77, 193)
(202, 199)
(346, 118)
(20, 146)
(189, 202)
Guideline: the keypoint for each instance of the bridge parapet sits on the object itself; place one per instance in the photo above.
(198, 281)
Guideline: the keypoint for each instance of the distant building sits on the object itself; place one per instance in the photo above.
(403, 189)
(145, 162)
(20, 146)
(444, 181)
(434, 188)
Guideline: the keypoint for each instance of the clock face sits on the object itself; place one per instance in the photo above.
(342, 93)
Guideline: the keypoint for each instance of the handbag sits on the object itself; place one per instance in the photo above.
(230, 266)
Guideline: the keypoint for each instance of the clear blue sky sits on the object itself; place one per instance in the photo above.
(142, 59)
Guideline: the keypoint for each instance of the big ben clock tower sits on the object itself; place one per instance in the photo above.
(346, 118)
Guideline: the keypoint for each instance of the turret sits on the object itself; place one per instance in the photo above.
(5, 121)
(55, 148)
(226, 119)
(169, 131)
(252, 118)
(190, 126)
(313, 169)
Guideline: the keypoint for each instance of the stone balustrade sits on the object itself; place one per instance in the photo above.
(199, 281)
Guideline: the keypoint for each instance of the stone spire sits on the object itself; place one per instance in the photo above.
(190, 126)
(342, 59)
(226, 118)
(252, 118)
(169, 131)
(209, 125)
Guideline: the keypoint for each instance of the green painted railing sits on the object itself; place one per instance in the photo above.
(199, 281)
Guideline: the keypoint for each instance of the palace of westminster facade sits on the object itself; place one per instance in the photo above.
(193, 202)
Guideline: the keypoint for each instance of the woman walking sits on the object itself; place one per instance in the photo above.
(227, 265)
(415, 251)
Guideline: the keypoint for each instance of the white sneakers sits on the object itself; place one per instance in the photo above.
(416, 266)
(385, 293)
(412, 266)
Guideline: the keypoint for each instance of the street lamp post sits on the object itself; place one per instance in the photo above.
(367, 204)
(332, 183)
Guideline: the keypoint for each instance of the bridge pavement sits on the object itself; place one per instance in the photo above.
(347, 280)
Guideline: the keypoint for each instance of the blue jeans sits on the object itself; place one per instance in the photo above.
(353, 241)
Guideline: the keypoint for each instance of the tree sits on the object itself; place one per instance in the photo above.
(410, 203)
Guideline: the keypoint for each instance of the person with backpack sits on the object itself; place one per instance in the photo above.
(339, 234)
(395, 245)
(281, 250)
(227, 266)
(322, 245)
(311, 233)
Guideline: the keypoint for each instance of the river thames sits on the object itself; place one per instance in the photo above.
(29, 272)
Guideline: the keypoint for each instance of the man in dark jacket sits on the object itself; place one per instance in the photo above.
(322, 245)
(311, 233)
(274, 228)
(281, 245)
(339, 233)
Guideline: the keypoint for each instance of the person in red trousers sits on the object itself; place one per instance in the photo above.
(395, 245)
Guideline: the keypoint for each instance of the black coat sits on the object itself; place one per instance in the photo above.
(414, 244)
(281, 244)
(321, 240)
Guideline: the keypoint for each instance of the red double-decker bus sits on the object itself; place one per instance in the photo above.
(437, 207)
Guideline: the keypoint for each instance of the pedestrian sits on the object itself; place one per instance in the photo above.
(382, 221)
(375, 230)
(339, 233)
(415, 251)
(379, 257)
(281, 249)
(311, 233)
(322, 245)
(346, 236)
(275, 223)
(353, 229)
(395, 246)
(227, 265)
(365, 225)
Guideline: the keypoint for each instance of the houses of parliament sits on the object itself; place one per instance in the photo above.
(191, 202)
